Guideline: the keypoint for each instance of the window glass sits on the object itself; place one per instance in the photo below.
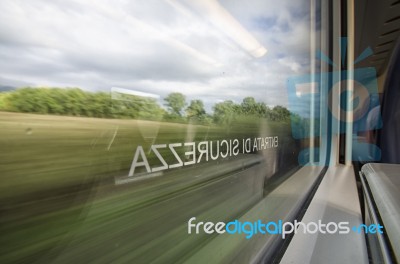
(121, 120)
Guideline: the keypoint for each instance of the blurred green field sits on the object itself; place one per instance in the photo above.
(58, 200)
(41, 152)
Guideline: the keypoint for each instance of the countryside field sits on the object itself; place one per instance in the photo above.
(59, 202)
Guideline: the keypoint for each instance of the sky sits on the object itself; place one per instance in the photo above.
(207, 49)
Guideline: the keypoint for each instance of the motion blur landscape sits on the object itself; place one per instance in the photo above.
(58, 197)
(85, 84)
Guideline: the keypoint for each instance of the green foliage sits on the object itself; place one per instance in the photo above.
(249, 106)
(4, 100)
(224, 112)
(137, 107)
(227, 112)
(196, 112)
(175, 103)
(75, 102)
(279, 113)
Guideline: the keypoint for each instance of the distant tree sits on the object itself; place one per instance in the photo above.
(224, 112)
(100, 104)
(262, 109)
(279, 113)
(150, 110)
(195, 111)
(4, 100)
(249, 106)
(54, 100)
(137, 107)
(175, 103)
(28, 100)
(75, 102)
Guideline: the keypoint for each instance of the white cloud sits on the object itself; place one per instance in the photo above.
(153, 46)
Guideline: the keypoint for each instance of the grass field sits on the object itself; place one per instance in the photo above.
(58, 199)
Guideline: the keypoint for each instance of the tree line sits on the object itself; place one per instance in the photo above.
(76, 102)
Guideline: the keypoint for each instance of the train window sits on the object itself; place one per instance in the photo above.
(125, 124)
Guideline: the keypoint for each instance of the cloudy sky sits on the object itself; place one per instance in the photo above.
(206, 49)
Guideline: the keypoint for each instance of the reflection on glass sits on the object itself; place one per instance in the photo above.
(120, 120)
